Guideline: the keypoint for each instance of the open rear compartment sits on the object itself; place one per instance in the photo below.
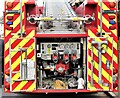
(61, 63)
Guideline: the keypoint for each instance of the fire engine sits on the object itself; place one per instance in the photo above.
(52, 46)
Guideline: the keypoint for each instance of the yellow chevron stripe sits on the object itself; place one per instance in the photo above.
(96, 79)
(31, 34)
(115, 59)
(110, 51)
(32, 87)
(15, 77)
(91, 88)
(104, 20)
(20, 86)
(91, 34)
(17, 7)
(103, 71)
(33, 58)
(96, 64)
(14, 64)
(107, 35)
(7, 32)
(21, 44)
(7, 59)
(7, 44)
(107, 24)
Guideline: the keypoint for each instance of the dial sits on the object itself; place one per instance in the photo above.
(67, 46)
(61, 46)
(72, 46)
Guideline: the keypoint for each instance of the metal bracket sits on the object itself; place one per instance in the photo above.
(23, 65)
(100, 56)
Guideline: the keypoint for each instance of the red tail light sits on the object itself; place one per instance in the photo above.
(9, 4)
(112, 27)
(9, 28)
(112, 4)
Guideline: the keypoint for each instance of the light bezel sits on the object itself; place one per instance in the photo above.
(112, 4)
(9, 4)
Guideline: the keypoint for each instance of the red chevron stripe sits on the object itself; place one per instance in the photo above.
(13, 45)
(14, 5)
(17, 28)
(13, 74)
(29, 57)
(108, 71)
(96, 85)
(17, 41)
(115, 51)
(17, 68)
(17, 55)
(6, 53)
(29, 43)
(107, 30)
(96, 59)
(28, 84)
(6, 66)
(103, 64)
(15, 84)
(31, 54)
(107, 3)
(103, 77)
(94, 31)
(15, 17)
(115, 39)
(115, 65)
(106, 16)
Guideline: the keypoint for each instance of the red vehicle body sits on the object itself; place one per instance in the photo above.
(60, 50)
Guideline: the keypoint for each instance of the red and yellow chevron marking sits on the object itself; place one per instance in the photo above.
(106, 74)
(112, 53)
(16, 58)
(14, 34)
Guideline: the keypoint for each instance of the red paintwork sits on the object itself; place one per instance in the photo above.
(60, 35)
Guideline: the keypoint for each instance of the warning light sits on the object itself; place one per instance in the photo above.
(112, 27)
(9, 28)
(7, 72)
(9, 4)
(112, 22)
(9, 23)
(9, 17)
(112, 17)
(112, 4)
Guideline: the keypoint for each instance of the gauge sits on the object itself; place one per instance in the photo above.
(48, 46)
(72, 46)
(61, 46)
(67, 46)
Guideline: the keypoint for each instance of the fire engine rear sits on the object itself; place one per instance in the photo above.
(52, 46)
